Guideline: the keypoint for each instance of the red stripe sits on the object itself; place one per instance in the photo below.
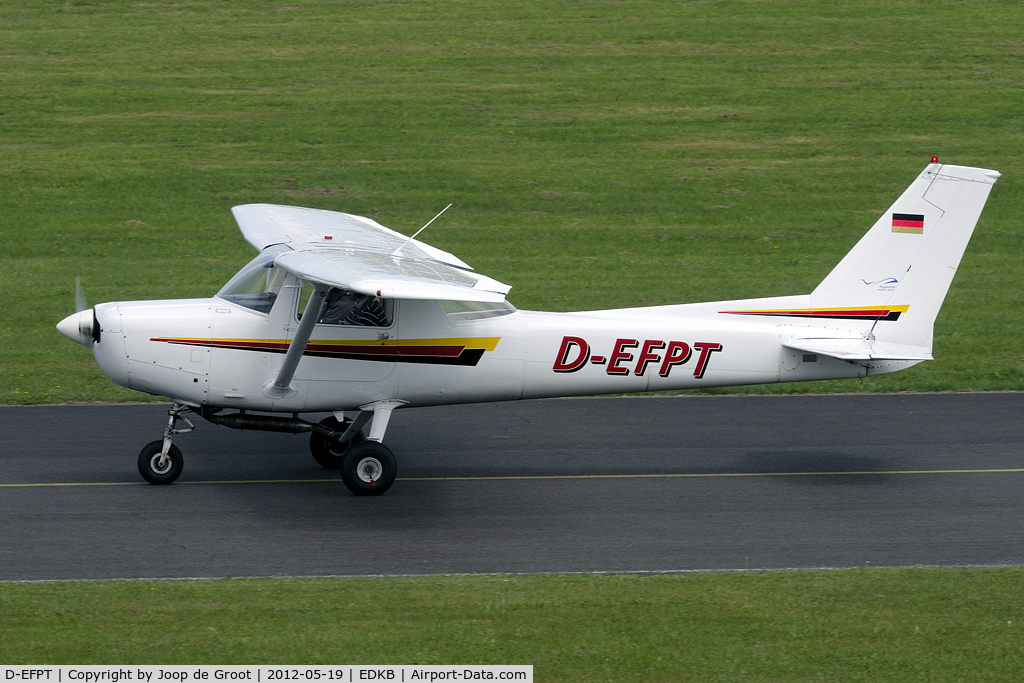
(224, 342)
(446, 351)
(365, 350)
(378, 350)
(907, 224)
(873, 313)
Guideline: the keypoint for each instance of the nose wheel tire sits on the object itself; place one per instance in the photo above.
(326, 451)
(368, 468)
(156, 472)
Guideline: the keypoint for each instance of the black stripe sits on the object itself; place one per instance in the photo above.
(908, 217)
(468, 357)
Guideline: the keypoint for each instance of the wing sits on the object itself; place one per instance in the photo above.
(358, 253)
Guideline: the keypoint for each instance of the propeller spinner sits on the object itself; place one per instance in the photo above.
(81, 326)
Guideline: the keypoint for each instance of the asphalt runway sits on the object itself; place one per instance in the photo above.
(605, 484)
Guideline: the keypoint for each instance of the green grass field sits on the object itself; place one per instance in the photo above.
(853, 625)
(599, 154)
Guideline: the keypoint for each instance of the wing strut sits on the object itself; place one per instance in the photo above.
(281, 387)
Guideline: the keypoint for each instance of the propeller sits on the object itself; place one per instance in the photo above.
(80, 326)
(80, 302)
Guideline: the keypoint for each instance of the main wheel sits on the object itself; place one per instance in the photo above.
(150, 467)
(326, 450)
(368, 468)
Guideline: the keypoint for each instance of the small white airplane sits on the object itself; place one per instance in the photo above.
(338, 313)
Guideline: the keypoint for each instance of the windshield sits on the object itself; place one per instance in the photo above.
(257, 285)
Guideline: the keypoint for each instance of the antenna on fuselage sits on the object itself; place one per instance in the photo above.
(395, 252)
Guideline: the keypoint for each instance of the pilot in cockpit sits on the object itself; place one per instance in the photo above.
(345, 307)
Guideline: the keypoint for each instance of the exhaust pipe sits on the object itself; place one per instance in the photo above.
(264, 423)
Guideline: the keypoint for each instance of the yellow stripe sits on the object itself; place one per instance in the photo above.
(714, 475)
(486, 343)
(901, 309)
(143, 483)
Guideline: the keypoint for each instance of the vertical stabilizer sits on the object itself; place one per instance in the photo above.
(907, 260)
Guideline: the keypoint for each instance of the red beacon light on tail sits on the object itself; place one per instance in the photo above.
(935, 160)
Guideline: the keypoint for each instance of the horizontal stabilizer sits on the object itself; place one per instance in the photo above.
(859, 349)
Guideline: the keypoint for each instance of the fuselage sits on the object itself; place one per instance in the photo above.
(403, 323)
(214, 352)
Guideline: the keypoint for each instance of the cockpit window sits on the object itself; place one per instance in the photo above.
(257, 285)
(345, 307)
(475, 310)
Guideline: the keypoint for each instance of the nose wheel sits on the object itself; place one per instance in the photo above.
(158, 468)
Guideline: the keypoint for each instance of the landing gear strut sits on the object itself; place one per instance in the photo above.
(328, 450)
(368, 467)
(160, 462)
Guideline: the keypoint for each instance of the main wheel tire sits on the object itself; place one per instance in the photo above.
(324, 452)
(368, 468)
(149, 463)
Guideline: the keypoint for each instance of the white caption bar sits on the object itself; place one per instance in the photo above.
(264, 674)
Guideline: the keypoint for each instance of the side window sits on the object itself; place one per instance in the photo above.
(345, 307)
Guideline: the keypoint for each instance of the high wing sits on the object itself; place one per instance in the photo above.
(358, 253)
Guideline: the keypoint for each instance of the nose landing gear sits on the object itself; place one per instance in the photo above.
(160, 462)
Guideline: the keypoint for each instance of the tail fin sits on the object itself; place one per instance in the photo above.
(906, 261)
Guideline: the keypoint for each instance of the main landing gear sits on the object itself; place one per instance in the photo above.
(367, 466)
(329, 449)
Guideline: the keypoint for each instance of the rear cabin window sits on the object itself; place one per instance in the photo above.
(476, 310)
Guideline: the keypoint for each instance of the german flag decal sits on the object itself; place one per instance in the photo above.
(840, 313)
(912, 223)
(432, 351)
